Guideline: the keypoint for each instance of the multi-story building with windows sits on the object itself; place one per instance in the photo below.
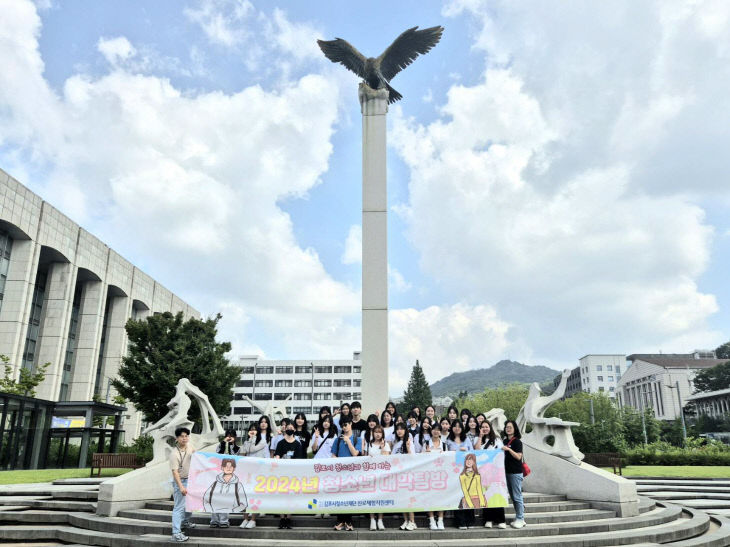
(305, 385)
(601, 373)
(653, 380)
(65, 297)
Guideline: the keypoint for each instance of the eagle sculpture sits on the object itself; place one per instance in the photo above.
(378, 71)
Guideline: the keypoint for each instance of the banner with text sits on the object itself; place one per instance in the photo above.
(382, 484)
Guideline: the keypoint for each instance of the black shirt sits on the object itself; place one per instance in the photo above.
(511, 464)
(303, 437)
(359, 426)
(290, 450)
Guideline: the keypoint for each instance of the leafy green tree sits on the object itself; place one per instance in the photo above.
(605, 435)
(27, 380)
(634, 429)
(713, 379)
(418, 392)
(509, 397)
(723, 351)
(162, 349)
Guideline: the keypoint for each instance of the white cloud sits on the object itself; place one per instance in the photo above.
(396, 281)
(223, 21)
(545, 178)
(191, 179)
(445, 339)
(353, 246)
(116, 49)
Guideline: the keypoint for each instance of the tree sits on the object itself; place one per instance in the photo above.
(509, 397)
(418, 392)
(713, 379)
(162, 349)
(27, 380)
(723, 352)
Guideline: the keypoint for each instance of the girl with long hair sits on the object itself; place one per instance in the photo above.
(300, 431)
(404, 445)
(413, 427)
(465, 413)
(430, 412)
(375, 446)
(458, 441)
(256, 446)
(324, 435)
(343, 411)
(481, 418)
(445, 424)
(367, 435)
(472, 429)
(471, 486)
(388, 424)
(452, 413)
(424, 435)
(488, 440)
(513, 470)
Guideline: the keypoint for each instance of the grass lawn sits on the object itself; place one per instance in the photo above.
(694, 471)
(48, 475)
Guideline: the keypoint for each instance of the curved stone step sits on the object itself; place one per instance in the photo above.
(391, 520)
(41, 517)
(63, 505)
(719, 536)
(675, 530)
(77, 495)
(656, 517)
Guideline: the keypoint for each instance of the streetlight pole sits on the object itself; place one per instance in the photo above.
(681, 410)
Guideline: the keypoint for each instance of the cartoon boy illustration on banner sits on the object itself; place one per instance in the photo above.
(226, 494)
(471, 485)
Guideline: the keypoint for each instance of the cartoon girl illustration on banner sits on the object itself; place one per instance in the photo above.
(471, 484)
(226, 494)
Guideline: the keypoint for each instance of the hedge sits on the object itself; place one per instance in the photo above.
(664, 454)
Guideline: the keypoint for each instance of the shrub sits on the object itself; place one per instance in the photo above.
(663, 453)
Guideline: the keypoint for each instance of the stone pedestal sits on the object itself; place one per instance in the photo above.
(374, 106)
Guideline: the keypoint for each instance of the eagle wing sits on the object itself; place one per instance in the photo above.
(404, 50)
(343, 52)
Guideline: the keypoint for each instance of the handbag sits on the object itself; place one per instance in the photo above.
(525, 468)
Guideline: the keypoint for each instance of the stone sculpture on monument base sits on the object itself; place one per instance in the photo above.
(152, 482)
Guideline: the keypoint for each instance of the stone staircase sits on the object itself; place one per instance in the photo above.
(710, 495)
(65, 512)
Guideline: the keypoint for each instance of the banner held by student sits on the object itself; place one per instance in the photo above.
(429, 482)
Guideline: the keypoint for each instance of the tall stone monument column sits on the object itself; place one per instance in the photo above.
(374, 106)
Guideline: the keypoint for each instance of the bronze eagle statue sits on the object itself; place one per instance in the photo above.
(378, 71)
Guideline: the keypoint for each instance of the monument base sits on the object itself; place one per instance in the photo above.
(554, 475)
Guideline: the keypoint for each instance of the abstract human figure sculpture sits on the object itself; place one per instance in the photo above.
(533, 412)
(378, 71)
(270, 409)
(163, 431)
(496, 418)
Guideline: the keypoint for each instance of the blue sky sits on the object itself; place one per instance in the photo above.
(557, 174)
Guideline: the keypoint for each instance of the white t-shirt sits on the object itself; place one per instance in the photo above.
(455, 447)
(325, 447)
(417, 442)
(389, 434)
(442, 447)
(375, 450)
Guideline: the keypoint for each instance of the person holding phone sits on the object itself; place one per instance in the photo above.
(347, 445)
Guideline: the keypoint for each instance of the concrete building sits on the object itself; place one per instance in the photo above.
(573, 385)
(310, 383)
(715, 404)
(601, 372)
(65, 297)
(652, 379)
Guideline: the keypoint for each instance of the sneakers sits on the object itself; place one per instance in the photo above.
(404, 526)
(502, 525)
(440, 523)
(223, 525)
(518, 523)
(488, 524)
(187, 525)
(462, 528)
(251, 524)
(411, 526)
(214, 525)
(179, 538)
(432, 524)
(373, 524)
(244, 523)
(381, 525)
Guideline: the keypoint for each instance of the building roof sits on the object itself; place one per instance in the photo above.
(708, 394)
(674, 361)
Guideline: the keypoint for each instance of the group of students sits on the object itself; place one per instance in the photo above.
(345, 433)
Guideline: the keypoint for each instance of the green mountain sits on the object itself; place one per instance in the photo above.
(504, 372)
